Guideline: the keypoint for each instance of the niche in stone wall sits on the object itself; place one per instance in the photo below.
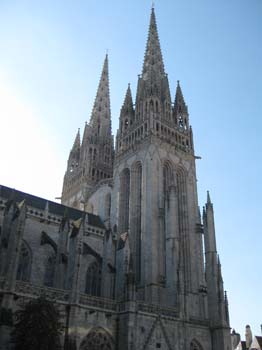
(24, 263)
(49, 265)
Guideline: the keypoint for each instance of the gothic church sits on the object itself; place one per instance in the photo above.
(127, 256)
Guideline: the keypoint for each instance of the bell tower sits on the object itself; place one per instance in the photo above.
(155, 188)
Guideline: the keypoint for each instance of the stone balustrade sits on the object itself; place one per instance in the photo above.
(58, 295)
(25, 288)
(102, 303)
(156, 309)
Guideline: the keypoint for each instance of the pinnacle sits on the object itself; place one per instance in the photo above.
(208, 198)
(179, 99)
(128, 102)
(76, 144)
(153, 60)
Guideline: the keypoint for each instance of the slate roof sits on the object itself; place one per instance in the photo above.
(53, 207)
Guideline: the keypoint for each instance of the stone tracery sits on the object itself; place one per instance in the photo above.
(97, 339)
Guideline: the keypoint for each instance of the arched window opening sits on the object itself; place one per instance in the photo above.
(24, 264)
(183, 217)
(93, 174)
(194, 345)
(151, 106)
(124, 200)
(97, 339)
(136, 216)
(185, 124)
(157, 109)
(180, 121)
(167, 178)
(94, 154)
(107, 206)
(93, 279)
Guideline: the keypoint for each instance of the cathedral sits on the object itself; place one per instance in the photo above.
(127, 257)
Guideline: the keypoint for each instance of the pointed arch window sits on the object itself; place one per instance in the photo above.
(180, 121)
(167, 178)
(93, 279)
(124, 200)
(194, 345)
(94, 154)
(107, 205)
(97, 339)
(136, 215)
(151, 106)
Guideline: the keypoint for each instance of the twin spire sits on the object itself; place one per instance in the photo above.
(153, 69)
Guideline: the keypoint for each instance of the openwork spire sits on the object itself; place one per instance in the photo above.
(153, 61)
(101, 111)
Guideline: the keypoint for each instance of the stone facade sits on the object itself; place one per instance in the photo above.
(123, 254)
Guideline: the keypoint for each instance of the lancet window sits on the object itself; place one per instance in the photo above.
(136, 215)
(124, 200)
(93, 279)
(167, 178)
(107, 205)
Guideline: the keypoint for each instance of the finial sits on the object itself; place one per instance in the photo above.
(153, 5)
(178, 82)
(107, 51)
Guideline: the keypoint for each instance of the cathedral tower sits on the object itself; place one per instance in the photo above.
(91, 161)
(157, 203)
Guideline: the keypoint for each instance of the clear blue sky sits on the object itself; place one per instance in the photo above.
(50, 63)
